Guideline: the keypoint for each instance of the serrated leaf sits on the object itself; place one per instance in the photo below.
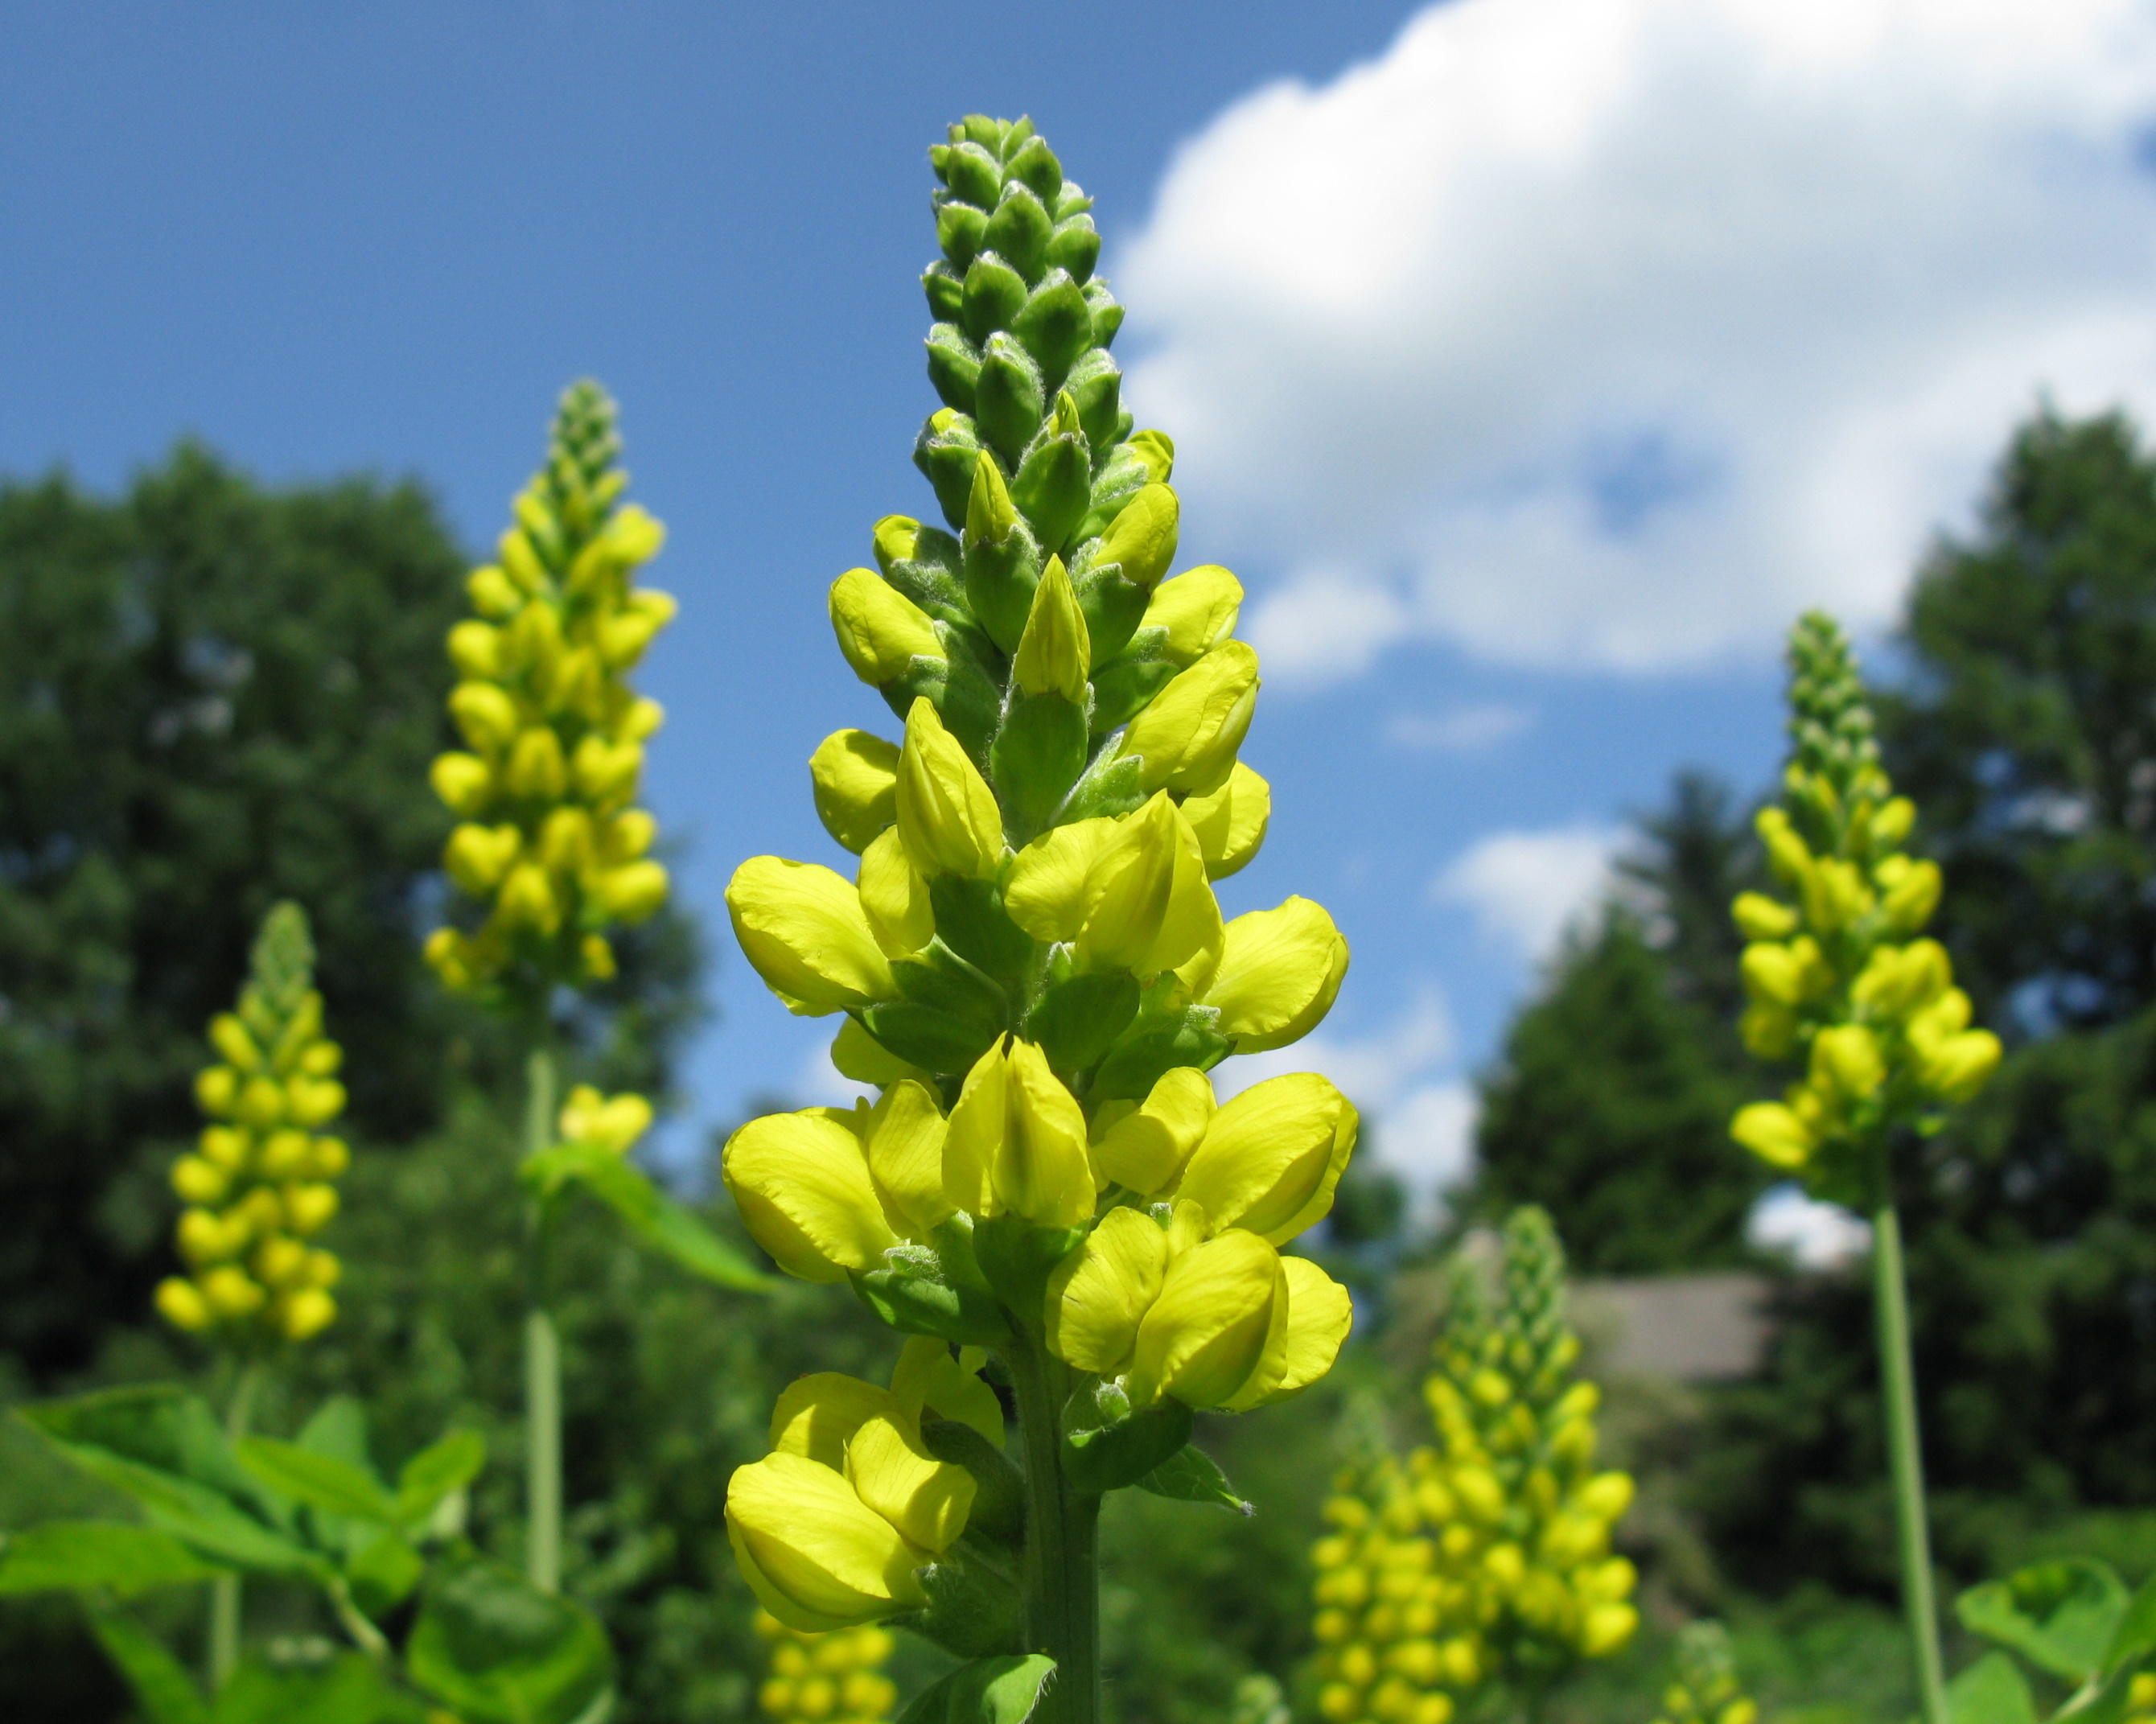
(449, 1464)
(319, 1480)
(495, 1650)
(66, 1556)
(1992, 1690)
(167, 1693)
(2062, 1616)
(1191, 1476)
(1004, 1689)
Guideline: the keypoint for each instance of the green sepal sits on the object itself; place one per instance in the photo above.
(945, 454)
(969, 697)
(971, 919)
(1155, 1045)
(1113, 785)
(1113, 606)
(994, 296)
(1095, 384)
(954, 364)
(1124, 687)
(1070, 201)
(972, 1611)
(1033, 164)
(989, 1690)
(1074, 247)
(1075, 1021)
(961, 230)
(931, 578)
(923, 1036)
(1106, 1446)
(1107, 316)
(1018, 1258)
(971, 173)
(1018, 232)
(999, 581)
(1053, 485)
(497, 1650)
(1122, 477)
(1192, 1476)
(934, 1290)
(945, 288)
(1011, 395)
(998, 1510)
(1055, 324)
(1035, 759)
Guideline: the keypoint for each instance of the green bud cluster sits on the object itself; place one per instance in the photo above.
(1706, 1690)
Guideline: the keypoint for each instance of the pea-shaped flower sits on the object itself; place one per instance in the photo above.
(803, 930)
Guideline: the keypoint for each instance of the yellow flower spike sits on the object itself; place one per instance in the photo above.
(1186, 739)
(880, 631)
(485, 714)
(535, 769)
(1279, 973)
(1846, 1059)
(947, 817)
(926, 1500)
(814, 1554)
(633, 893)
(855, 776)
(1271, 1157)
(894, 896)
(1147, 905)
(1098, 1296)
(180, 1304)
(1909, 902)
(903, 1138)
(1055, 652)
(803, 1185)
(1217, 1334)
(1146, 1147)
(803, 929)
(612, 1123)
(1198, 610)
(528, 900)
(1231, 822)
(1016, 1143)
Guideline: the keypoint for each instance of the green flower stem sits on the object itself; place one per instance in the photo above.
(224, 1594)
(542, 1353)
(1898, 1377)
(1062, 1550)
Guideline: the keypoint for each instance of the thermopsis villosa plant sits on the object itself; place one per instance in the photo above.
(1037, 978)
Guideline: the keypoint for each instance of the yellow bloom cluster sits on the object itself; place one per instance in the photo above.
(2141, 1698)
(258, 1186)
(613, 1122)
(1839, 974)
(830, 1528)
(1036, 973)
(1707, 1690)
(1486, 1557)
(548, 841)
(834, 1678)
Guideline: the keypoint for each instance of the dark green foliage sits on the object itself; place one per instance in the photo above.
(1610, 1106)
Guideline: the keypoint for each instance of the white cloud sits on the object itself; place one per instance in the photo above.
(1817, 1236)
(1526, 888)
(1465, 729)
(1611, 332)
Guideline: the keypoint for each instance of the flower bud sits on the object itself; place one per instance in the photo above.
(1141, 538)
(1773, 972)
(1787, 853)
(262, 1103)
(1230, 822)
(990, 514)
(627, 836)
(606, 771)
(1148, 905)
(1017, 1142)
(1187, 739)
(1278, 974)
(1272, 1156)
(903, 1137)
(1774, 1133)
(308, 1207)
(229, 1037)
(485, 714)
(947, 817)
(567, 842)
(475, 649)
(306, 1313)
(285, 1154)
(1891, 824)
(1759, 917)
(197, 1181)
(1911, 893)
(1845, 1058)
(854, 774)
(1217, 1333)
(476, 857)
(1100, 1293)
(803, 930)
(633, 893)
(217, 1089)
(880, 631)
(1198, 609)
(1144, 1148)
(1606, 1495)
(1956, 1067)
(535, 769)
(803, 1185)
(1899, 979)
(1605, 1628)
(1054, 654)
(463, 782)
(312, 1101)
(182, 1305)
(814, 1554)
(612, 1124)
(230, 1293)
(528, 900)
(895, 897)
(493, 593)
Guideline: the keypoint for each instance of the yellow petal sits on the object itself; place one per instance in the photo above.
(1146, 1148)
(925, 1499)
(1215, 1330)
(894, 896)
(1272, 1156)
(905, 1136)
(947, 815)
(855, 779)
(815, 1555)
(1319, 1315)
(1016, 1143)
(802, 1186)
(1045, 891)
(1231, 823)
(1143, 537)
(1279, 973)
(1774, 1133)
(1100, 1294)
(1197, 609)
(803, 929)
(1056, 652)
(879, 629)
(1188, 737)
(1148, 906)
(928, 1384)
(816, 1415)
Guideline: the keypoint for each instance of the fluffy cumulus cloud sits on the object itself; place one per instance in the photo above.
(1525, 889)
(1610, 332)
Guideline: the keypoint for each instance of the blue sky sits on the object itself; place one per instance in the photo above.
(1532, 361)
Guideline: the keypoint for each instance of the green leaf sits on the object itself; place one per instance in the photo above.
(447, 1465)
(492, 1647)
(167, 1693)
(989, 1690)
(381, 1570)
(211, 1522)
(339, 1429)
(64, 1555)
(2062, 1616)
(1127, 1451)
(157, 1425)
(2135, 1637)
(319, 1480)
(1191, 1476)
(659, 1223)
(346, 1689)
(1992, 1690)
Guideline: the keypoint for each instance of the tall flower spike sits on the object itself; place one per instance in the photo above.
(260, 1184)
(834, 1678)
(549, 843)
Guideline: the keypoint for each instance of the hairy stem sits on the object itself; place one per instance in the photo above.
(1898, 1379)
(542, 1354)
(223, 1656)
(1062, 1563)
